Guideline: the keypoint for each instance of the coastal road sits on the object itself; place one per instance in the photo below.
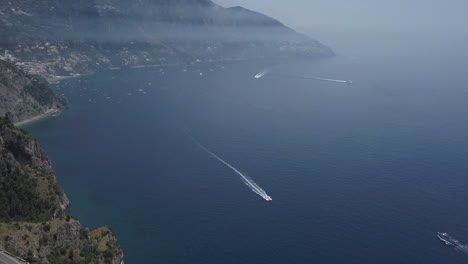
(7, 259)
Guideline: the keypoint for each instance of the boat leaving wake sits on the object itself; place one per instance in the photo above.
(249, 182)
(450, 241)
(261, 74)
(321, 79)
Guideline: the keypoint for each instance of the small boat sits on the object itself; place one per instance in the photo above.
(448, 240)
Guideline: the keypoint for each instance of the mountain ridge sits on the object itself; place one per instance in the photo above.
(51, 37)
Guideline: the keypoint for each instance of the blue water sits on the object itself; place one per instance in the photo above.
(361, 173)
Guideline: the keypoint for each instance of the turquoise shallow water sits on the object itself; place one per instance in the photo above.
(361, 173)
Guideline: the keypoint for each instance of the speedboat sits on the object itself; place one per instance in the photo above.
(447, 239)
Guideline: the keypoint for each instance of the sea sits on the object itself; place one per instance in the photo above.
(178, 159)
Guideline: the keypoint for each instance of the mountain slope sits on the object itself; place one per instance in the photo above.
(28, 189)
(33, 221)
(64, 37)
(24, 95)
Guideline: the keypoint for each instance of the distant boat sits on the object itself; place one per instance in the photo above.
(349, 82)
(261, 74)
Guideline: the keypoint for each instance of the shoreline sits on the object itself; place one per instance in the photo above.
(57, 79)
(54, 79)
(47, 113)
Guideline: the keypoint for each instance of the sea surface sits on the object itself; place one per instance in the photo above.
(358, 173)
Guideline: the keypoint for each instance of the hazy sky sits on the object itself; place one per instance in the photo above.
(429, 16)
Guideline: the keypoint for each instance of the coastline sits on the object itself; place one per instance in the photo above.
(47, 113)
(57, 79)
(54, 79)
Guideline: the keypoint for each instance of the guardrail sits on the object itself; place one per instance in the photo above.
(13, 256)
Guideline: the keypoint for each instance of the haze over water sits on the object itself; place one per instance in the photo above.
(361, 173)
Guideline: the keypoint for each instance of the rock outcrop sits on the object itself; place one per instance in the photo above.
(33, 220)
(61, 240)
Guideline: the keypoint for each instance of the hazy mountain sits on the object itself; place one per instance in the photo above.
(64, 37)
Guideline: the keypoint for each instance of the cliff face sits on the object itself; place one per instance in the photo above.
(33, 221)
(52, 37)
(24, 95)
(29, 189)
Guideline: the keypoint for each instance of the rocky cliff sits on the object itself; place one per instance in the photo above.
(52, 37)
(29, 189)
(60, 241)
(33, 220)
(24, 95)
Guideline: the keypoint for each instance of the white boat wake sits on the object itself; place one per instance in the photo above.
(450, 241)
(321, 79)
(249, 182)
(462, 248)
(331, 80)
(261, 74)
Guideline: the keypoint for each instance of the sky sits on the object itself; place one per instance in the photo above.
(408, 16)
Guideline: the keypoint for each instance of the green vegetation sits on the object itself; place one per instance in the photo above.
(5, 121)
(39, 90)
(100, 253)
(96, 246)
(33, 224)
(25, 95)
(26, 193)
(100, 239)
(20, 201)
(69, 259)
